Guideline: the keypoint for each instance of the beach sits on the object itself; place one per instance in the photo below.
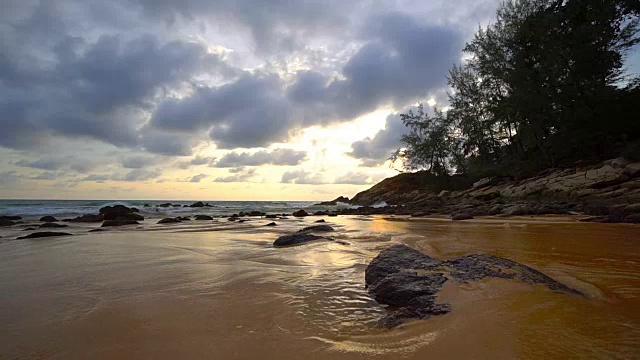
(220, 289)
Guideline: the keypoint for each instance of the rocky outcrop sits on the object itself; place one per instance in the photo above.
(43, 234)
(48, 219)
(409, 280)
(6, 222)
(11, 217)
(610, 189)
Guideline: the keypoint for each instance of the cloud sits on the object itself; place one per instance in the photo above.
(301, 176)
(138, 162)
(375, 151)
(80, 165)
(196, 161)
(239, 175)
(263, 157)
(138, 175)
(9, 178)
(197, 178)
(358, 178)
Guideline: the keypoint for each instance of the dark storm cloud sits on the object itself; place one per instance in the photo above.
(375, 151)
(56, 82)
(262, 157)
(401, 62)
(138, 162)
(91, 70)
(81, 165)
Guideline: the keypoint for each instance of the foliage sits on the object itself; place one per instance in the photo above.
(544, 86)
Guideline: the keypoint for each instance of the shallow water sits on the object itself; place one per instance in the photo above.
(220, 290)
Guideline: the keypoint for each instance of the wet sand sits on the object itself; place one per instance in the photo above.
(219, 290)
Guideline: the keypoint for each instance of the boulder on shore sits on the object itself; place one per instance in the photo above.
(43, 234)
(319, 221)
(198, 204)
(271, 224)
(300, 213)
(88, 218)
(53, 225)
(48, 219)
(169, 221)
(461, 216)
(317, 228)
(203, 217)
(6, 222)
(334, 202)
(296, 239)
(409, 280)
(119, 223)
(120, 212)
(11, 217)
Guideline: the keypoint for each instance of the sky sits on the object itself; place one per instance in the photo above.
(217, 100)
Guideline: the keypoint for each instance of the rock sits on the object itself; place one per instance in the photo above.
(165, 205)
(284, 218)
(97, 230)
(203, 217)
(11, 217)
(53, 225)
(334, 202)
(300, 213)
(271, 216)
(28, 229)
(420, 214)
(633, 219)
(169, 221)
(183, 218)
(271, 224)
(233, 219)
(120, 212)
(242, 220)
(43, 234)
(332, 215)
(319, 221)
(119, 223)
(197, 204)
(632, 209)
(461, 216)
(6, 222)
(146, 205)
(317, 228)
(48, 219)
(295, 239)
(409, 280)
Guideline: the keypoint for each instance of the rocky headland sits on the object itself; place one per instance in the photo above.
(607, 192)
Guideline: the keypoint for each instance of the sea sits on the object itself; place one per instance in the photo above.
(36, 208)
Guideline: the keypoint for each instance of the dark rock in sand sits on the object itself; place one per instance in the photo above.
(409, 280)
(169, 221)
(48, 219)
(28, 229)
(53, 225)
(317, 228)
(319, 221)
(97, 230)
(242, 220)
(271, 224)
(183, 218)
(300, 213)
(284, 218)
(119, 223)
(120, 212)
(43, 234)
(11, 217)
(233, 219)
(203, 217)
(457, 217)
(271, 216)
(332, 215)
(296, 239)
(6, 222)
